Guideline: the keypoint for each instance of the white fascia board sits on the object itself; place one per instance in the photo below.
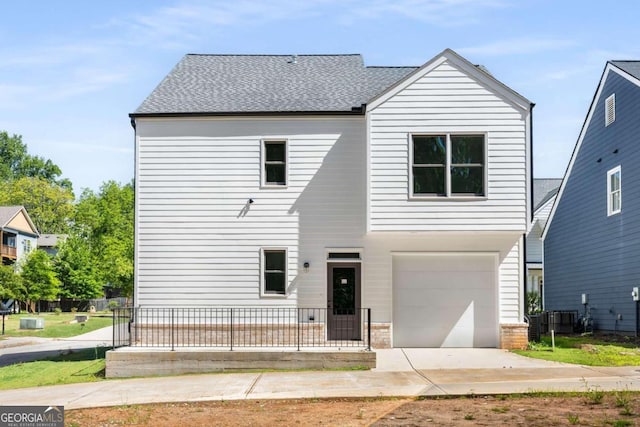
(609, 68)
(500, 88)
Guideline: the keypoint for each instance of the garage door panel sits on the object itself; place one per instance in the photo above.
(436, 307)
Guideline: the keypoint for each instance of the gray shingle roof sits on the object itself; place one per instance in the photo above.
(50, 240)
(269, 83)
(544, 189)
(631, 67)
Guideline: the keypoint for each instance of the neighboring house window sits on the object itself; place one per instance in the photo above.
(448, 165)
(610, 110)
(614, 191)
(274, 169)
(11, 241)
(274, 271)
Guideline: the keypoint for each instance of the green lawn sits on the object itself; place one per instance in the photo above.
(586, 350)
(77, 367)
(56, 325)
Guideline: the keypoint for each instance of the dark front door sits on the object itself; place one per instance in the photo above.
(343, 301)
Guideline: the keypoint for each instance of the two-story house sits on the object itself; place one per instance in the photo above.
(591, 244)
(18, 234)
(317, 181)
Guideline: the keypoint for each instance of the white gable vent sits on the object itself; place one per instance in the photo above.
(610, 110)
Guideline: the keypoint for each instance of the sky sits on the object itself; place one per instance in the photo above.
(72, 70)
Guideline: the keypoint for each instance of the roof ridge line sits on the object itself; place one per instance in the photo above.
(273, 55)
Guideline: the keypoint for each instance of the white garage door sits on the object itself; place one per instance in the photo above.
(445, 301)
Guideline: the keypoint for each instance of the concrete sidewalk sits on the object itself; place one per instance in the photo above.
(400, 372)
(26, 349)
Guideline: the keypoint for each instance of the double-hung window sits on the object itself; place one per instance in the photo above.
(614, 191)
(274, 163)
(448, 165)
(274, 272)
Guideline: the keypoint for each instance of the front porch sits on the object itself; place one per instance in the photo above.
(163, 341)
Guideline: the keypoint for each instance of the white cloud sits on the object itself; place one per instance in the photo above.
(519, 46)
(178, 25)
(445, 13)
(175, 26)
(51, 54)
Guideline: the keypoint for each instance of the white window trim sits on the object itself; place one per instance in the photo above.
(448, 196)
(611, 172)
(263, 293)
(263, 164)
(610, 99)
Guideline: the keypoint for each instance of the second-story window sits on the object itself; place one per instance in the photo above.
(274, 168)
(448, 165)
(614, 191)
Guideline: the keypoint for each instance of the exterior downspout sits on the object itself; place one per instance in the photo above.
(135, 215)
(524, 236)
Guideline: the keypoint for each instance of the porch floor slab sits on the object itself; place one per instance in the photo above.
(137, 362)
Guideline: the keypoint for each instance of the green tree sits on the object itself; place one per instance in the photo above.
(39, 278)
(11, 283)
(105, 219)
(16, 162)
(50, 206)
(75, 267)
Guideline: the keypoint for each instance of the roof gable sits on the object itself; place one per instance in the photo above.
(476, 72)
(620, 68)
(16, 218)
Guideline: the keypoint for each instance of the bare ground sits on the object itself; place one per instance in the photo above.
(590, 409)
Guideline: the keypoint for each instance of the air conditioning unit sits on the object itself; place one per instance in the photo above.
(31, 323)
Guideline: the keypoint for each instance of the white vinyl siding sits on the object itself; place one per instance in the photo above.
(199, 238)
(534, 236)
(446, 100)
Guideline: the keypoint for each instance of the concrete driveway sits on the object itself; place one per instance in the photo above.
(409, 359)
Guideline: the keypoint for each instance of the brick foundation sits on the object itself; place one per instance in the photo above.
(381, 335)
(252, 335)
(514, 336)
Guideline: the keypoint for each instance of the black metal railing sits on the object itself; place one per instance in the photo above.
(241, 327)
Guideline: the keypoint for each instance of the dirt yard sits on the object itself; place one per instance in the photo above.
(590, 409)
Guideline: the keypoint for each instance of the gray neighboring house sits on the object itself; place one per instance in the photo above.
(49, 242)
(544, 195)
(592, 238)
(314, 181)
